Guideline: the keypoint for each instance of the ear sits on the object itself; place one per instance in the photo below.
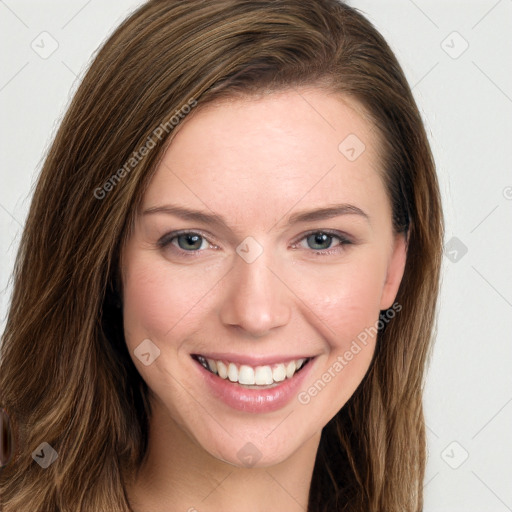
(395, 272)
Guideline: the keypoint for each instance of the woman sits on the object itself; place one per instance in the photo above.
(225, 293)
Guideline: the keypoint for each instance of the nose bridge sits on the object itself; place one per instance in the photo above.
(255, 300)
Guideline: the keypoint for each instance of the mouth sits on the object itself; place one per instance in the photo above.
(253, 377)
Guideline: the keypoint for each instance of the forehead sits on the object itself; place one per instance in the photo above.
(263, 155)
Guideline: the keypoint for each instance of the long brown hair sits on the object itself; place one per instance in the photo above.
(66, 377)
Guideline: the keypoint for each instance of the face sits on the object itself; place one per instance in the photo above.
(254, 277)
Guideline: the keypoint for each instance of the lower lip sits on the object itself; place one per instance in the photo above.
(255, 400)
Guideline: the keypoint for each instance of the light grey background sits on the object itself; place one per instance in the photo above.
(465, 95)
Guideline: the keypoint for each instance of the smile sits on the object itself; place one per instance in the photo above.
(253, 384)
(252, 376)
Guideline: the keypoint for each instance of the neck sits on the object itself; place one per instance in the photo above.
(179, 475)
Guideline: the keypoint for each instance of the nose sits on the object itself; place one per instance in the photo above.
(257, 300)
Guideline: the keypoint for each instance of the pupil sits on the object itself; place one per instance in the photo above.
(321, 238)
(191, 240)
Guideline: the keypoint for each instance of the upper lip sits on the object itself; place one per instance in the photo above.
(251, 360)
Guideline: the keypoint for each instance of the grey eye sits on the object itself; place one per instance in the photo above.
(189, 241)
(320, 239)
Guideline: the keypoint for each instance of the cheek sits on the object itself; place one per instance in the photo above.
(345, 297)
(345, 306)
(158, 303)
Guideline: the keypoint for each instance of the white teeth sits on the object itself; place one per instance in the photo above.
(279, 373)
(222, 369)
(263, 376)
(212, 364)
(232, 372)
(248, 376)
(290, 369)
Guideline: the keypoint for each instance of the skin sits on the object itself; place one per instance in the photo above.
(255, 161)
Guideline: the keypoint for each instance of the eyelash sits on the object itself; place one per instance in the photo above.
(167, 239)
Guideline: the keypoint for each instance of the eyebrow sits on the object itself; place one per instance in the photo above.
(219, 221)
